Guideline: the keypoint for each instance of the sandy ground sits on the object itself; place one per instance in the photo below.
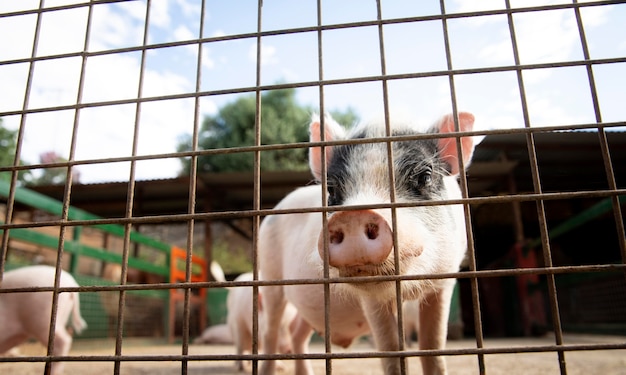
(578, 362)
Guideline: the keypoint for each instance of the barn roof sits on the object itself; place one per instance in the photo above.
(568, 161)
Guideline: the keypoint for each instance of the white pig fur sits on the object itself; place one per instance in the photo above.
(239, 319)
(26, 315)
(431, 240)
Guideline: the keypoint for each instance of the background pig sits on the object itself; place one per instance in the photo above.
(239, 319)
(26, 315)
(410, 313)
(431, 240)
(216, 334)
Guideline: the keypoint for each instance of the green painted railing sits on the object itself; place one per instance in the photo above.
(589, 214)
(52, 206)
(73, 246)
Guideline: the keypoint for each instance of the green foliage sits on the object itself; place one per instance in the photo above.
(232, 260)
(283, 121)
(53, 175)
(8, 144)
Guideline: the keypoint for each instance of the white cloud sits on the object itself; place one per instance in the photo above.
(182, 32)
(268, 54)
(68, 26)
(15, 6)
(462, 6)
(103, 131)
(596, 16)
(547, 36)
(23, 30)
(207, 61)
(114, 29)
(218, 33)
(190, 9)
(111, 77)
(12, 78)
(160, 13)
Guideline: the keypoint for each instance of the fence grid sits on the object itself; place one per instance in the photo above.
(201, 42)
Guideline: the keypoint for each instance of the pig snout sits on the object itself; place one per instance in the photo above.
(357, 238)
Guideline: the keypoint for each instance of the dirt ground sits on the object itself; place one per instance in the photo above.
(578, 362)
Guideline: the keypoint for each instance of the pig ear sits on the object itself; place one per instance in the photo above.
(447, 146)
(332, 131)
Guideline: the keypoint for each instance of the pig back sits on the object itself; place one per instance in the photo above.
(30, 312)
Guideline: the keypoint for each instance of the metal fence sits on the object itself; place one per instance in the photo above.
(29, 112)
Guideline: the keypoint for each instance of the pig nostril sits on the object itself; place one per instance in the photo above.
(371, 231)
(336, 237)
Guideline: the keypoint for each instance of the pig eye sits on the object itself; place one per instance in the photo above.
(422, 180)
(425, 178)
(333, 195)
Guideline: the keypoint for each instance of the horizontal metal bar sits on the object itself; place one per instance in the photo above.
(286, 146)
(299, 30)
(229, 215)
(605, 268)
(363, 79)
(318, 356)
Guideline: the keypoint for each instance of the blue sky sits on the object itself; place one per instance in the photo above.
(556, 96)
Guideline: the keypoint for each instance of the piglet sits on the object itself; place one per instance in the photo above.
(26, 315)
(431, 239)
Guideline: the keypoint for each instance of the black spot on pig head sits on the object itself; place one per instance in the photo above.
(417, 170)
(419, 165)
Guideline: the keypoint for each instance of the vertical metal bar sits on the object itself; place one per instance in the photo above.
(79, 99)
(20, 140)
(191, 206)
(130, 198)
(67, 194)
(64, 212)
(392, 187)
(256, 219)
(324, 183)
(541, 214)
(466, 208)
(604, 145)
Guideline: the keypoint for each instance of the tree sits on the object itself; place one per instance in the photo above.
(8, 145)
(54, 175)
(283, 120)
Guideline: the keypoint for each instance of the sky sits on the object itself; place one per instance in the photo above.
(556, 96)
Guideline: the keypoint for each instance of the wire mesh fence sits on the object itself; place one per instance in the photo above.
(110, 86)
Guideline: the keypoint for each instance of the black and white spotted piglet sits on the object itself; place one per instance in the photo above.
(431, 240)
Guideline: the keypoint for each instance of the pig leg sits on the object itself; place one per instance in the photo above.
(62, 344)
(7, 343)
(243, 341)
(301, 335)
(381, 318)
(274, 303)
(433, 322)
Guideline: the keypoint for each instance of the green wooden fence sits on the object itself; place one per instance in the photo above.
(77, 249)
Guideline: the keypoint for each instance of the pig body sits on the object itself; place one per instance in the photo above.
(26, 315)
(239, 304)
(431, 240)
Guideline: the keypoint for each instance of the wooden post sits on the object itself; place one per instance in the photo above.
(518, 221)
(208, 239)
